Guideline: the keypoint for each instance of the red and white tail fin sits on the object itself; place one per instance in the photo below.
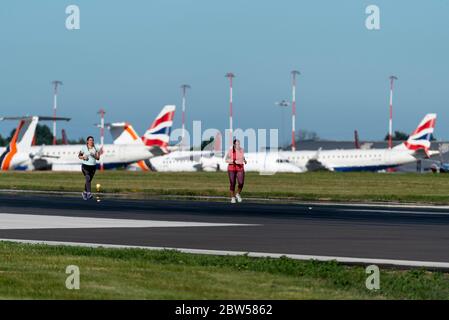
(159, 132)
(420, 138)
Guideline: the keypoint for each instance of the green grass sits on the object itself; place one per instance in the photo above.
(410, 187)
(38, 272)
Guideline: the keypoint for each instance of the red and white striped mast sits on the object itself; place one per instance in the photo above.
(184, 88)
(294, 74)
(55, 83)
(101, 112)
(390, 125)
(230, 76)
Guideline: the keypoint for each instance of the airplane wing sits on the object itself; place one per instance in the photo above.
(41, 118)
(425, 154)
(175, 147)
(40, 154)
(157, 151)
(314, 164)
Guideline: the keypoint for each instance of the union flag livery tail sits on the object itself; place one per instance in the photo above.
(420, 138)
(159, 132)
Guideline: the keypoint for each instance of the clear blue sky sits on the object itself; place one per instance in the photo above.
(130, 57)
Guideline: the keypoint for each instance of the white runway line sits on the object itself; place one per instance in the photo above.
(30, 221)
(347, 260)
(396, 211)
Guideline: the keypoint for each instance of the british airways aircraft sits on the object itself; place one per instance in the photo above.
(416, 147)
(21, 155)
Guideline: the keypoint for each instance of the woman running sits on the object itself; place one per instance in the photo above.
(89, 155)
(236, 171)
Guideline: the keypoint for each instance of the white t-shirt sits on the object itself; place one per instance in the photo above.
(91, 161)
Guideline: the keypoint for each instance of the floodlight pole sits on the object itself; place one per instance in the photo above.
(55, 83)
(294, 74)
(390, 124)
(230, 76)
(184, 88)
(101, 112)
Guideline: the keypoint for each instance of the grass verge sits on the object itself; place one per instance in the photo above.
(330, 186)
(38, 272)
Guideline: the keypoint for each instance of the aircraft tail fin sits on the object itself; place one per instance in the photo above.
(159, 132)
(21, 140)
(420, 138)
(123, 133)
(25, 133)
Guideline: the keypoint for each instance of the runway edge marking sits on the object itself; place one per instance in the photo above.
(249, 199)
(344, 260)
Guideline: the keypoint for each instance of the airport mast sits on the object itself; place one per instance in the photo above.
(184, 88)
(101, 112)
(55, 83)
(390, 126)
(294, 74)
(283, 104)
(230, 76)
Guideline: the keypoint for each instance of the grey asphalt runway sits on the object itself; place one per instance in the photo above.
(357, 231)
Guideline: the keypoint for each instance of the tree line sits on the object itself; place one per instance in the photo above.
(43, 135)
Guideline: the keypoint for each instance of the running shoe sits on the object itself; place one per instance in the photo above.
(89, 195)
(233, 200)
(239, 198)
(84, 194)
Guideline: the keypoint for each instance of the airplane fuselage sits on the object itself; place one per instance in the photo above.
(297, 161)
(65, 157)
(191, 161)
(350, 159)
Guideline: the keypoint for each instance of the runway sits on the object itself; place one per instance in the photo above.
(355, 232)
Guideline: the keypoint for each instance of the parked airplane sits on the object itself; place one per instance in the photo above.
(64, 157)
(16, 156)
(416, 147)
